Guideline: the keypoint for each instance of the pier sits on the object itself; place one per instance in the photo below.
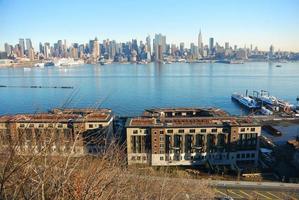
(37, 86)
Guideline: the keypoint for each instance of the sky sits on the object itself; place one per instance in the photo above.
(241, 22)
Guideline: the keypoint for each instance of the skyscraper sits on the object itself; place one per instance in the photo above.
(211, 45)
(41, 48)
(28, 44)
(159, 46)
(148, 44)
(200, 44)
(96, 49)
(7, 48)
(31, 54)
(271, 52)
(22, 47)
(226, 45)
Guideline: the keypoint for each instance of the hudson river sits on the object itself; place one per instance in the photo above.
(129, 89)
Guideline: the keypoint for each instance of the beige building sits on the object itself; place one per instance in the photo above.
(76, 131)
(184, 136)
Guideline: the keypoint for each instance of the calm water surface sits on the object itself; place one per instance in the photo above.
(129, 89)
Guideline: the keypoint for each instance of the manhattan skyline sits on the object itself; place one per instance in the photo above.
(260, 23)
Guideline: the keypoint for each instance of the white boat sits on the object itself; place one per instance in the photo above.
(266, 111)
(271, 100)
(246, 101)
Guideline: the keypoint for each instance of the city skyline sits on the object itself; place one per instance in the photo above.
(242, 23)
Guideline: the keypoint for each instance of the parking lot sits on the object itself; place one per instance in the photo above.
(256, 194)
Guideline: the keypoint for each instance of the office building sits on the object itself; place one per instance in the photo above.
(211, 45)
(21, 47)
(200, 44)
(28, 44)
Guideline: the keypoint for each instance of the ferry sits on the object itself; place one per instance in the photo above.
(246, 101)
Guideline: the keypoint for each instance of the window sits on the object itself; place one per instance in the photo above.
(214, 130)
(135, 132)
(247, 155)
(161, 151)
(90, 125)
(22, 125)
(242, 129)
(59, 125)
(138, 157)
(243, 155)
(133, 158)
(252, 155)
(41, 125)
(161, 132)
(203, 130)
(50, 125)
(181, 130)
(31, 125)
(144, 158)
(161, 158)
(238, 155)
(161, 145)
(252, 129)
(169, 131)
(161, 138)
(192, 130)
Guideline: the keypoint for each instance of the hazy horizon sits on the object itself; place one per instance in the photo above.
(260, 23)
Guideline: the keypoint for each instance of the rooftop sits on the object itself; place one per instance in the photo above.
(186, 112)
(188, 122)
(96, 115)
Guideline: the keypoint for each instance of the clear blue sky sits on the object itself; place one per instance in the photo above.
(241, 22)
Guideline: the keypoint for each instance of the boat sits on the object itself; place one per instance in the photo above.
(266, 111)
(49, 64)
(270, 100)
(246, 101)
(278, 66)
(41, 65)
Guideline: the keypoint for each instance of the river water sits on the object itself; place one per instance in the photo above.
(130, 88)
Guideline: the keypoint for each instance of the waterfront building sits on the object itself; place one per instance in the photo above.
(192, 136)
(76, 131)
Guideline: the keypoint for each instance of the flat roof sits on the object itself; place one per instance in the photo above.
(189, 122)
(211, 111)
(52, 118)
